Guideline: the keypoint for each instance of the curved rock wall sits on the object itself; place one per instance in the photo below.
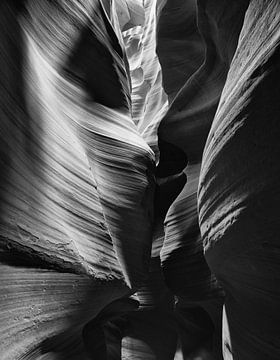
(192, 111)
(116, 181)
(239, 195)
(76, 215)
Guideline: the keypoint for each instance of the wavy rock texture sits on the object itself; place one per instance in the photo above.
(44, 312)
(106, 107)
(77, 178)
(239, 189)
(192, 111)
(179, 46)
(77, 189)
(149, 100)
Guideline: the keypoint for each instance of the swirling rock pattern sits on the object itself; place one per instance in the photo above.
(66, 202)
(149, 100)
(115, 179)
(192, 111)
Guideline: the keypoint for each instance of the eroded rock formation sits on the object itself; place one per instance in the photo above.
(118, 190)
(239, 193)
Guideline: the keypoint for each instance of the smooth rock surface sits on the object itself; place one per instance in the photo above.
(69, 208)
(239, 189)
(139, 179)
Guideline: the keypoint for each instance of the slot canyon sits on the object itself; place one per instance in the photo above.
(140, 162)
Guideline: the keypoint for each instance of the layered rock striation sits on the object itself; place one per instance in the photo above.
(238, 193)
(138, 186)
